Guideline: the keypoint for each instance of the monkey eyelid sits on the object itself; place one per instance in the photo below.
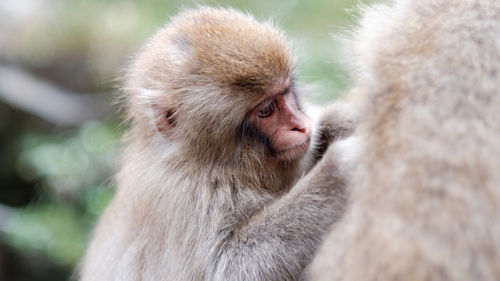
(266, 108)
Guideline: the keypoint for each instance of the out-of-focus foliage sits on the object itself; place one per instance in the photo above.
(56, 179)
(71, 171)
(69, 163)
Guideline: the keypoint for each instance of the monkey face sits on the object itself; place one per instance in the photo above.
(281, 122)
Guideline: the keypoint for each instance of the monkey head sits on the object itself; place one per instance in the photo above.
(220, 84)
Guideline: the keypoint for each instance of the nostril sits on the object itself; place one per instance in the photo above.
(301, 129)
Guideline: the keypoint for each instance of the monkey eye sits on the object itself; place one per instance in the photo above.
(267, 109)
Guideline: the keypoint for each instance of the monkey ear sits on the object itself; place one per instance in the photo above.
(165, 120)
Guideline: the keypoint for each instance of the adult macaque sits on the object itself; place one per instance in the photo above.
(208, 187)
(425, 193)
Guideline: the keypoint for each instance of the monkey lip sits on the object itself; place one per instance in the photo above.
(295, 151)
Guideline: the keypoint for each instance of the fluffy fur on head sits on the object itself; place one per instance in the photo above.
(208, 66)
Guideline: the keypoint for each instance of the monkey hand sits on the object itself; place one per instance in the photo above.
(337, 122)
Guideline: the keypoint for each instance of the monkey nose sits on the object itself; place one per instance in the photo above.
(301, 129)
(302, 125)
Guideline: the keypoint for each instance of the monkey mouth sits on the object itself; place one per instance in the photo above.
(294, 152)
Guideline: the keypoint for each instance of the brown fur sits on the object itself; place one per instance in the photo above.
(425, 196)
(195, 201)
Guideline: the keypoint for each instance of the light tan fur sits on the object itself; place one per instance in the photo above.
(198, 202)
(425, 193)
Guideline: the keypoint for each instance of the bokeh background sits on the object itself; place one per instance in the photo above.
(60, 130)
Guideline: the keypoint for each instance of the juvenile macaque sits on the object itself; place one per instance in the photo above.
(208, 186)
(425, 192)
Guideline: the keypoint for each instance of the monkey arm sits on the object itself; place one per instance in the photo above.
(280, 239)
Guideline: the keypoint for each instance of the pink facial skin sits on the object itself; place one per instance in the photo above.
(289, 130)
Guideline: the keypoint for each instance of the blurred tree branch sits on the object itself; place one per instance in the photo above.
(45, 100)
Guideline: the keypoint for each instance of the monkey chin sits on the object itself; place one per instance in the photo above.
(295, 152)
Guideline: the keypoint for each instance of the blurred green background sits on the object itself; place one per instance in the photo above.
(59, 129)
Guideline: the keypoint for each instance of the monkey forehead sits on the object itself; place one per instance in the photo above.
(231, 48)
